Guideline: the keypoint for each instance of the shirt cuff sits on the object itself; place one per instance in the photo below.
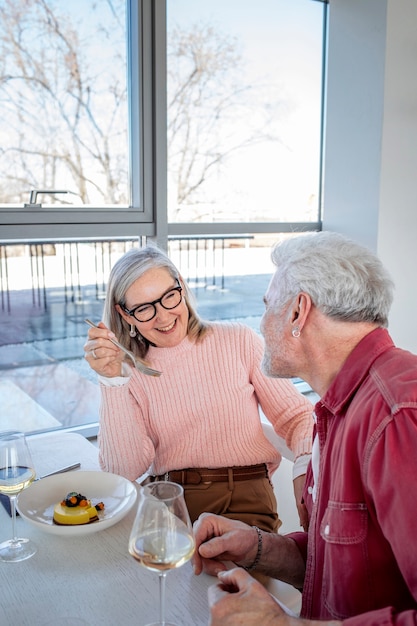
(300, 465)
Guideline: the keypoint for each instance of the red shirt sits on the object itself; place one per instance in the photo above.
(361, 558)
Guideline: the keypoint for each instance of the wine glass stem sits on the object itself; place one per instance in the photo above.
(13, 512)
(162, 577)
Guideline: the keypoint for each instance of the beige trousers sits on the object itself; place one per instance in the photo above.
(251, 501)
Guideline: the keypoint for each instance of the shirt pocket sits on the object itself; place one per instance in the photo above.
(346, 580)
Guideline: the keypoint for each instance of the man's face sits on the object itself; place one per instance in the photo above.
(276, 330)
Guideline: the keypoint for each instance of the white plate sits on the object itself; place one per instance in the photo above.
(36, 503)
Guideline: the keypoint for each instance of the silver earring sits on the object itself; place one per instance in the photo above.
(295, 332)
(133, 331)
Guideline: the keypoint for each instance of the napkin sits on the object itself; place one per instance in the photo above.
(5, 500)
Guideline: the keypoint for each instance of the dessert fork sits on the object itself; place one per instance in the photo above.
(140, 365)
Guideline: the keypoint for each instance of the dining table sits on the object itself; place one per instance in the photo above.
(91, 580)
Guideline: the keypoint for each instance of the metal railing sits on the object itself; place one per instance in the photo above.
(62, 270)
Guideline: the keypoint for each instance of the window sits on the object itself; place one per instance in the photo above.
(244, 104)
(203, 132)
(72, 117)
(64, 114)
(85, 114)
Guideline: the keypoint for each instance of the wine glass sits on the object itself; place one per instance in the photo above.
(16, 473)
(162, 538)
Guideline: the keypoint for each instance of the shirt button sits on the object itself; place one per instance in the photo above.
(327, 529)
(310, 490)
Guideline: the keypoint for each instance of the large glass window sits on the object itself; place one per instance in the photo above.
(244, 106)
(215, 104)
(64, 120)
(76, 147)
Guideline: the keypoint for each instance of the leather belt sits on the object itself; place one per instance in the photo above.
(195, 476)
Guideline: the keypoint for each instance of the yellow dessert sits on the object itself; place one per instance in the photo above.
(76, 509)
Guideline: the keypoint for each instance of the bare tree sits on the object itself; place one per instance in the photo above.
(60, 121)
(64, 118)
(211, 110)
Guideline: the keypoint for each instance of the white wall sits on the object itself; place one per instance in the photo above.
(397, 237)
(370, 190)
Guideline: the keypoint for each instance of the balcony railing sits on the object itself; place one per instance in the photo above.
(60, 270)
(47, 288)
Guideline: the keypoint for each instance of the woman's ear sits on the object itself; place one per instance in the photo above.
(125, 316)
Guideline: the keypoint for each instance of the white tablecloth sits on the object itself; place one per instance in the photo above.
(93, 577)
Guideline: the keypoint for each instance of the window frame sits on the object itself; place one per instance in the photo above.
(51, 222)
(227, 228)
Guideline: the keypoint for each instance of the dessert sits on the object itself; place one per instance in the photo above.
(76, 509)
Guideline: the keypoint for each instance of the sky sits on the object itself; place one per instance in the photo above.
(281, 44)
(276, 33)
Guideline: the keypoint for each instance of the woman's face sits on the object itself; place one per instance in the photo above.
(169, 327)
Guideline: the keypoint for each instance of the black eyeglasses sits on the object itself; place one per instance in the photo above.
(146, 312)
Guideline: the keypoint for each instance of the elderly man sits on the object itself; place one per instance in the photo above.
(325, 321)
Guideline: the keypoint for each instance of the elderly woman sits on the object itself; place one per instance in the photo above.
(197, 424)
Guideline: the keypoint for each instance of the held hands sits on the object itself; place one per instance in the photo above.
(102, 355)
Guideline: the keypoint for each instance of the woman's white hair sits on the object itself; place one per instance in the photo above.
(345, 280)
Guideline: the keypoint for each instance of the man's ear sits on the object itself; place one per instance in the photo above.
(301, 309)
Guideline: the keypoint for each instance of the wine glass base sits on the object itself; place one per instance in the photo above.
(15, 550)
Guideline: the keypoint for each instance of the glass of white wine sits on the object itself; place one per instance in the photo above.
(162, 538)
(16, 473)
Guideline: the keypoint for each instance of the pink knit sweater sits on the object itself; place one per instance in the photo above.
(203, 410)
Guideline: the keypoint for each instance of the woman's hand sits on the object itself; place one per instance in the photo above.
(101, 354)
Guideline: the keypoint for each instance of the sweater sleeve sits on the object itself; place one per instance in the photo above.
(125, 447)
(289, 412)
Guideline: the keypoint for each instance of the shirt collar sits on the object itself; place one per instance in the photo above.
(355, 370)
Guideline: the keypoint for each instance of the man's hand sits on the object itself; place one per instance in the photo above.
(220, 539)
(240, 599)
